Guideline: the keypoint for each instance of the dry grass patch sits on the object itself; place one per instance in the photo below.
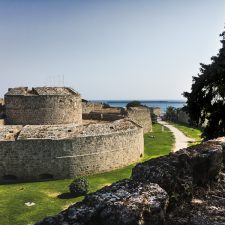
(52, 194)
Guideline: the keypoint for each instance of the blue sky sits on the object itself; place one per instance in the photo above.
(118, 49)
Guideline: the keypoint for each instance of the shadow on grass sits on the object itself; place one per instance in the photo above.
(67, 195)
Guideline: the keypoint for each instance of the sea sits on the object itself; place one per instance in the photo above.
(163, 104)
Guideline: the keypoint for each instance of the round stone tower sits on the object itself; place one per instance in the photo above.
(42, 105)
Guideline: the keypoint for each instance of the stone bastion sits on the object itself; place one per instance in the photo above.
(45, 137)
(36, 152)
(42, 105)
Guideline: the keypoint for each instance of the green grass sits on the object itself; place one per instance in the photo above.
(190, 132)
(13, 211)
(158, 142)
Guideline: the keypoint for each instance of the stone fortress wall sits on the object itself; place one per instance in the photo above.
(105, 114)
(42, 106)
(38, 152)
(88, 106)
(140, 115)
(45, 137)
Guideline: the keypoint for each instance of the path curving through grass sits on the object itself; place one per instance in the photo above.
(181, 140)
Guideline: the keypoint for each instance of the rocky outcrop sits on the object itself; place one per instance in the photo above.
(183, 188)
(178, 172)
(125, 202)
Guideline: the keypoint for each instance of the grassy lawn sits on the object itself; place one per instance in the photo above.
(190, 132)
(13, 211)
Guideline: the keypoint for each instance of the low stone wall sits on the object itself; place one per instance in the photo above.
(161, 191)
(87, 150)
(142, 116)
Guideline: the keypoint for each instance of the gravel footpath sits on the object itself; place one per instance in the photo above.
(181, 141)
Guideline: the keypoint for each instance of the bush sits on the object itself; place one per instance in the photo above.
(106, 105)
(84, 100)
(171, 114)
(79, 186)
(154, 118)
(133, 104)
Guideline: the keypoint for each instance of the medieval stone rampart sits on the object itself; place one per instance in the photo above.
(105, 114)
(88, 107)
(142, 116)
(35, 152)
(42, 106)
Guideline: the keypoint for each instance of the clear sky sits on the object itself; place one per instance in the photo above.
(108, 49)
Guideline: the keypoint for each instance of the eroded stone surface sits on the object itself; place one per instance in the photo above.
(123, 203)
(42, 105)
(192, 177)
(70, 131)
(178, 172)
(206, 208)
(9, 132)
(66, 151)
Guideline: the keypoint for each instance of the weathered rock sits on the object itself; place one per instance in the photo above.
(173, 173)
(192, 178)
(206, 208)
(206, 161)
(177, 172)
(219, 141)
(124, 203)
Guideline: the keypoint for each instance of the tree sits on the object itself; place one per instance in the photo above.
(171, 113)
(205, 102)
(133, 104)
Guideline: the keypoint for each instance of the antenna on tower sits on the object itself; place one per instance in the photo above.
(63, 80)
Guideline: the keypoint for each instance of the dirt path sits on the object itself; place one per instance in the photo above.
(181, 141)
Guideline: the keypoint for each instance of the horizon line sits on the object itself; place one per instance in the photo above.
(142, 100)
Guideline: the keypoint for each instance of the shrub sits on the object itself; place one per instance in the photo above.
(106, 105)
(79, 186)
(133, 104)
(154, 118)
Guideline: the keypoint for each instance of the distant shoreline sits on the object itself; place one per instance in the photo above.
(162, 104)
(125, 101)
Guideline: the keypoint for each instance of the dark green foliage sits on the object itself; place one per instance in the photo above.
(79, 186)
(133, 104)
(206, 101)
(171, 113)
(106, 105)
(84, 100)
(153, 118)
